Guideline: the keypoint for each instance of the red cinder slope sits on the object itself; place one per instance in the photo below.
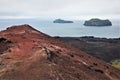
(27, 54)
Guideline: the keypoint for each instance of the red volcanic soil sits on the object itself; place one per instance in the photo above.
(27, 54)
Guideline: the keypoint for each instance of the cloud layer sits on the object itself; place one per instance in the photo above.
(59, 8)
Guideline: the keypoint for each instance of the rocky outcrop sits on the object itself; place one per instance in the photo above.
(4, 45)
(97, 22)
(62, 21)
(36, 56)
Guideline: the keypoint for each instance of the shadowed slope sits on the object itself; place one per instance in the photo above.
(33, 55)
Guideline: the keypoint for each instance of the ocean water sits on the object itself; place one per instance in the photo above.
(76, 29)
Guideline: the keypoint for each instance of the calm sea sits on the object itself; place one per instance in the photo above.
(76, 29)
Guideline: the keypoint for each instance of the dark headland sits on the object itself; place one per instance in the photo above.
(102, 48)
(62, 21)
(98, 22)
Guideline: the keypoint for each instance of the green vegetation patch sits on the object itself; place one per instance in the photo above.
(116, 63)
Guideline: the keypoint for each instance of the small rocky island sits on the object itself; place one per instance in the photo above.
(98, 22)
(62, 21)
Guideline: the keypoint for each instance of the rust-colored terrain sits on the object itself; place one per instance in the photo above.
(27, 54)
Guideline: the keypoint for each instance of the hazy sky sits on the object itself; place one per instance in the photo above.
(77, 9)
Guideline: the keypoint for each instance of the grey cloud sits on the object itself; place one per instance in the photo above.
(59, 7)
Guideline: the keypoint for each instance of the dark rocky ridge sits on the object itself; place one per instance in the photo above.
(37, 56)
(62, 21)
(97, 22)
(102, 48)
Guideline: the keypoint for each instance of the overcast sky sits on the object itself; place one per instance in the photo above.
(59, 8)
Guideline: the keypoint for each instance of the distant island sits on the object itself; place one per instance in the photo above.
(98, 22)
(62, 21)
